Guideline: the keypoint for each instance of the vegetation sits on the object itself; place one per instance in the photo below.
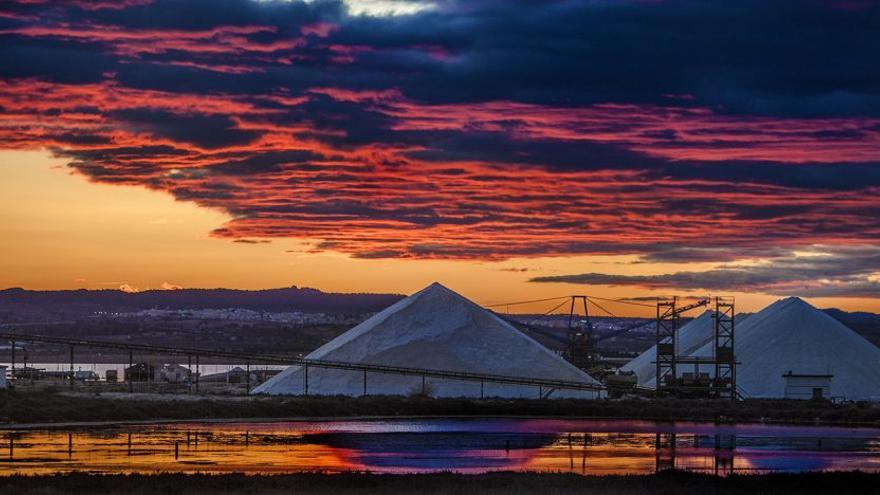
(56, 406)
(679, 483)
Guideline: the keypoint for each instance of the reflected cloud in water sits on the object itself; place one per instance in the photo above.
(460, 445)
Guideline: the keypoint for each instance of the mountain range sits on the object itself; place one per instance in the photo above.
(286, 299)
(17, 302)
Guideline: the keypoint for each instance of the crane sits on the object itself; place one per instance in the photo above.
(701, 302)
(580, 343)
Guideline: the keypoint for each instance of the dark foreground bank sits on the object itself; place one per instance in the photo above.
(679, 483)
(19, 407)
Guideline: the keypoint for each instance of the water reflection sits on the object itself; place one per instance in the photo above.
(467, 446)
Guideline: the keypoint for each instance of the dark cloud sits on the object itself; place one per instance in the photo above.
(386, 253)
(670, 253)
(794, 59)
(839, 176)
(261, 163)
(358, 125)
(558, 154)
(208, 131)
(59, 62)
(829, 272)
(252, 241)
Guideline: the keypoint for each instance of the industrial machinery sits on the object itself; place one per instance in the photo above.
(620, 383)
(668, 316)
(581, 343)
(580, 349)
(697, 384)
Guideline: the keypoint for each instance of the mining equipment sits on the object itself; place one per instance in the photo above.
(695, 384)
(580, 347)
(582, 344)
(620, 383)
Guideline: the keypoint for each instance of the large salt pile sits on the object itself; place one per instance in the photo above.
(439, 329)
(689, 338)
(791, 336)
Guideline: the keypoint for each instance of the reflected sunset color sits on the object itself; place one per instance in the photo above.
(419, 446)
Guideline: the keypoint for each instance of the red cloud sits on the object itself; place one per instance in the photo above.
(377, 199)
(668, 132)
(134, 43)
(319, 29)
(87, 4)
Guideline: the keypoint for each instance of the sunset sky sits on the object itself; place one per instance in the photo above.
(510, 149)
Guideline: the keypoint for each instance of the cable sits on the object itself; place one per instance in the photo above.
(621, 301)
(603, 309)
(525, 302)
(556, 307)
(517, 303)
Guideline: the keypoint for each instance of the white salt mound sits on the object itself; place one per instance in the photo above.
(790, 335)
(434, 328)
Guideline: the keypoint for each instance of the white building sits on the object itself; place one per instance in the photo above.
(806, 386)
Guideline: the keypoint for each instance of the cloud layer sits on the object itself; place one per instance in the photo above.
(823, 272)
(486, 129)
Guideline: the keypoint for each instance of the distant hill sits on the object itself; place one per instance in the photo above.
(864, 323)
(285, 299)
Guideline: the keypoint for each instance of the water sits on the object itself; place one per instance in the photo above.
(430, 445)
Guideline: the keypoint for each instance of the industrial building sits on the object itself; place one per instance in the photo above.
(435, 329)
(238, 375)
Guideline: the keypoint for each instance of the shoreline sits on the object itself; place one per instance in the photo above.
(54, 409)
(403, 417)
(501, 482)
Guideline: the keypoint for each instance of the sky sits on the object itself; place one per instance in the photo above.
(511, 149)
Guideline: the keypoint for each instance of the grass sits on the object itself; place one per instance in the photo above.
(45, 406)
(673, 482)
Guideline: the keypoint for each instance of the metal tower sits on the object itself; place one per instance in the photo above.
(667, 324)
(668, 315)
(725, 361)
(579, 351)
